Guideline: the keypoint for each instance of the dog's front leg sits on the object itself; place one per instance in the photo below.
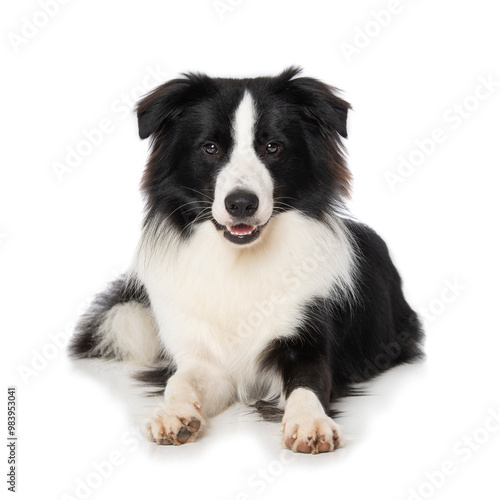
(305, 367)
(192, 396)
(306, 427)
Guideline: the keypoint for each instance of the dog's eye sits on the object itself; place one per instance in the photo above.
(272, 148)
(211, 149)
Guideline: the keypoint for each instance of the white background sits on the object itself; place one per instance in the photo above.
(63, 238)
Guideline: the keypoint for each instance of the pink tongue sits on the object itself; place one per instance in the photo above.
(241, 229)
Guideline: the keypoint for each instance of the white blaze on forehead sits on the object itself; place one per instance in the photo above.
(244, 123)
(244, 171)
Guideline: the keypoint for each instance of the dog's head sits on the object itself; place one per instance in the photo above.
(239, 151)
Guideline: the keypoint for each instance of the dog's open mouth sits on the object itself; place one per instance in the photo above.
(241, 234)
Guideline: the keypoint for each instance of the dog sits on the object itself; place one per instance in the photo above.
(251, 282)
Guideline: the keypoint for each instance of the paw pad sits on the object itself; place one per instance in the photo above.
(309, 434)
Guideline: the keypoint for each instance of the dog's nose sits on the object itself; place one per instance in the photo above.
(241, 204)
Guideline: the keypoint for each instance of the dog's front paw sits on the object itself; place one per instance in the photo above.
(308, 433)
(176, 424)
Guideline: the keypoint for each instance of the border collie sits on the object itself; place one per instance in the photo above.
(250, 282)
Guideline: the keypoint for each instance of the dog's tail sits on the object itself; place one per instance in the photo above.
(119, 324)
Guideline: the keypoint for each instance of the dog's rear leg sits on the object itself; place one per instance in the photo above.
(119, 324)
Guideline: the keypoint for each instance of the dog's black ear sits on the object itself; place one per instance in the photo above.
(320, 102)
(168, 101)
(324, 117)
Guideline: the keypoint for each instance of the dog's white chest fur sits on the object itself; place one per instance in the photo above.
(219, 304)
